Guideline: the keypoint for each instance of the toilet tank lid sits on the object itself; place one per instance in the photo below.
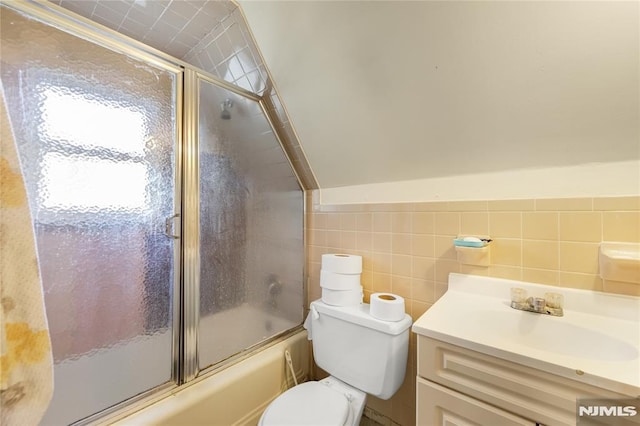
(359, 314)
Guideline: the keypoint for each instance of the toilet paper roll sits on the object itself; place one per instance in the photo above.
(342, 297)
(342, 263)
(387, 307)
(335, 281)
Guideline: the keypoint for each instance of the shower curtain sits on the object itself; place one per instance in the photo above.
(26, 361)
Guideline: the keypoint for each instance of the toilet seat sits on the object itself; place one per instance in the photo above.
(309, 403)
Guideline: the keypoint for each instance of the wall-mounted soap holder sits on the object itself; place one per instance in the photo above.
(474, 251)
(620, 262)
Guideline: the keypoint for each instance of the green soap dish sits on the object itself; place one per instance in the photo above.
(461, 242)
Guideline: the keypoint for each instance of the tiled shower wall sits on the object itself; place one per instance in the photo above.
(407, 249)
(211, 35)
(230, 52)
(173, 27)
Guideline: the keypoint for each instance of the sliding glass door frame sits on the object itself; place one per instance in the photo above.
(57, 17)
(185, 224)
(191, 218)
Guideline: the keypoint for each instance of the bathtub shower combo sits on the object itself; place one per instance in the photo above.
(169, 221)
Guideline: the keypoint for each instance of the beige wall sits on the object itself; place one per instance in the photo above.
(407, 249)
(388, 91)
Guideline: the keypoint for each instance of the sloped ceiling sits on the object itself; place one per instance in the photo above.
(388, 91)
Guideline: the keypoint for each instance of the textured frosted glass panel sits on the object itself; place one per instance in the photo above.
(95, 132)
(251, 227)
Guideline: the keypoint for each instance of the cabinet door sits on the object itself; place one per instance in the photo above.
(437, 405)
(524, 391)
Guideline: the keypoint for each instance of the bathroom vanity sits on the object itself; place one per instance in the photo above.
(482, 362)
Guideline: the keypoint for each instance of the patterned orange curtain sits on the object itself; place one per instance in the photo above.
(26, 362)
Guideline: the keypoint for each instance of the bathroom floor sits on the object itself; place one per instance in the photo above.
(366, 421)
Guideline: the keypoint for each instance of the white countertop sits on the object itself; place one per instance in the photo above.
(599, 334)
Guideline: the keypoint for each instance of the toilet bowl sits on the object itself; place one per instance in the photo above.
(322, 403)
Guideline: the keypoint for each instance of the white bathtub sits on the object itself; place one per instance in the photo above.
(236, 395)
(231, 331)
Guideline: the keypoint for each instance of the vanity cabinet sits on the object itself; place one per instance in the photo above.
(438, 405)
(458, 386)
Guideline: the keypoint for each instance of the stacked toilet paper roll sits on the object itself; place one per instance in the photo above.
(340, 279)
(387, 307)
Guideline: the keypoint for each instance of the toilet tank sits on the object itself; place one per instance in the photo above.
(367, 353)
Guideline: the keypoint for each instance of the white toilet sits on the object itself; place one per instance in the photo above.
(362, 354)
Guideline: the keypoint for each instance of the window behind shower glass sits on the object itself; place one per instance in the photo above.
(96, 136)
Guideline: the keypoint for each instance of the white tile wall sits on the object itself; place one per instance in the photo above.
(229, 52)
(209, 34)
(172, 26)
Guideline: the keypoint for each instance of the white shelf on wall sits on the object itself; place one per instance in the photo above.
(620, 262)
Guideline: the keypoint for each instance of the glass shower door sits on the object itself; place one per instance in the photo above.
(251, 227)
(96, 134)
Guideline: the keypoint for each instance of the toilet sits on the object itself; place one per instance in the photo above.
(363, 355)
